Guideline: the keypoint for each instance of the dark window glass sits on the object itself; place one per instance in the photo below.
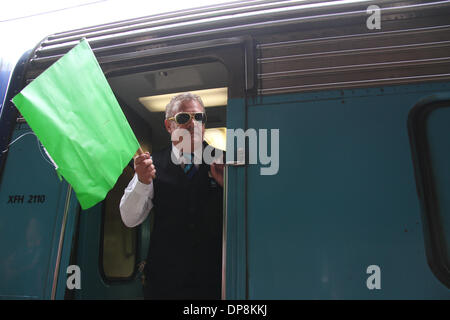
(119, 242)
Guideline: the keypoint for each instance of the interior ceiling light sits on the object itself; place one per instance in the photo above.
(216, 137)
(210, 97)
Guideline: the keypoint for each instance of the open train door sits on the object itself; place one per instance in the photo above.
(108, 253)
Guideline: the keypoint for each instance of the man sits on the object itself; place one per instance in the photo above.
(184, 260)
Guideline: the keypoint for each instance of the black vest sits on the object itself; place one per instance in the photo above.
(185, 254)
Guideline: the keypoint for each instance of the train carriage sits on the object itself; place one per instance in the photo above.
(353, 102)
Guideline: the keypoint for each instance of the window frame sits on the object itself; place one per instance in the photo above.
(435, 242)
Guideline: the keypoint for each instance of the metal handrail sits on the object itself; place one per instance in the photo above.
(61, 242)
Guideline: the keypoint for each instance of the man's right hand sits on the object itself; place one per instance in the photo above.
(144, 168)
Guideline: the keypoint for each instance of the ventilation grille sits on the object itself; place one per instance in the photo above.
(416, 49)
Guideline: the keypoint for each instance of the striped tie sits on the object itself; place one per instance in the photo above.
(189, 168)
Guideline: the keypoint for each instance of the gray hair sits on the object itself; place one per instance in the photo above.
(176, 101)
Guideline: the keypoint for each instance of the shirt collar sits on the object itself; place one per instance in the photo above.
(176, 152)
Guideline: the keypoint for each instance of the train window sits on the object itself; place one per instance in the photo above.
(430, 132)
(119, 242)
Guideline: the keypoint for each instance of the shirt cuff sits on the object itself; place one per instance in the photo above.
(142, 188)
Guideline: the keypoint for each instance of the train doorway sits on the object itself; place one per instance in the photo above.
(110, 255)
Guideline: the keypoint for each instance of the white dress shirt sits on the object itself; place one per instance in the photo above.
(136, 201)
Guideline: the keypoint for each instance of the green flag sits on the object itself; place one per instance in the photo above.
(73, 111)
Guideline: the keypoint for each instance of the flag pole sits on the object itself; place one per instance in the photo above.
(139, 151)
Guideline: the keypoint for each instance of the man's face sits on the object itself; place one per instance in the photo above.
(195, 128)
